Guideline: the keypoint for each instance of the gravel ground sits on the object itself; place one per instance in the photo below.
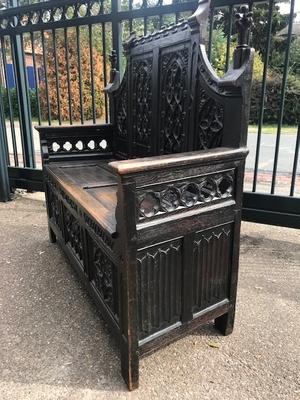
(54, 345)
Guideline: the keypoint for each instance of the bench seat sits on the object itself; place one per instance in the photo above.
(91, 185)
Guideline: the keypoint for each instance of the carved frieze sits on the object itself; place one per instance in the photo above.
(98, 231)
(180, 195)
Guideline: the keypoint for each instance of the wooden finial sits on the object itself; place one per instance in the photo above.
(243, 23)
(113, 59)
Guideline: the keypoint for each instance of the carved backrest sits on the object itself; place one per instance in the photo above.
(170, 100)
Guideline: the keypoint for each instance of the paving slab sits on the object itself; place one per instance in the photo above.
(54, 344)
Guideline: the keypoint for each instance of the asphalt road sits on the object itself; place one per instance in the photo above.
(267, 151)
(285, 160)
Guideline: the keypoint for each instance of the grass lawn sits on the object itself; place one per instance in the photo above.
(272, 129)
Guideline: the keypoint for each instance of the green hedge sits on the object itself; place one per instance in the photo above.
(14, 102)
(272, 101)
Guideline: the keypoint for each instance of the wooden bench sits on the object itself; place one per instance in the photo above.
(148, 207)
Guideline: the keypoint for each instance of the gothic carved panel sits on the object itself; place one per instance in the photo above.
(142, 100)
(54, 205)
(209, 117)
(211, 263)
(185, 194)
(121, 100)
(159, 286)
(173, 92)
(103, 277)
(73, 234)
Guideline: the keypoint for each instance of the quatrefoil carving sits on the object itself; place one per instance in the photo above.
(67, 146)
(79, 145)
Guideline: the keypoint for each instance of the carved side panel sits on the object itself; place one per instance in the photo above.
(73, 233)
(209, 115)
(159, 286)
(142, 101)
(104, 278)
(54, 206)
(211, 266)
(173, 95)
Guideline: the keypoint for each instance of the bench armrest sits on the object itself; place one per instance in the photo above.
(75, 142)
(181, 160)
(157, 187)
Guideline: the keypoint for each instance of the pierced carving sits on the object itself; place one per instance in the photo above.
(49, 14)
(243, 23)
(173, 97)
(180, 195)
(72, 145)
(142, 101)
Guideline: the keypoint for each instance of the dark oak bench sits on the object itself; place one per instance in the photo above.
(148, 207)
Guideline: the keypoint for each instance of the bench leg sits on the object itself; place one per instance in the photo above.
(130, 367)
(225, 322)
(52, 236)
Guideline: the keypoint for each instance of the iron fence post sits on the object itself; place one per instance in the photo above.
(116, 30)
(23, 98)
(4, 180)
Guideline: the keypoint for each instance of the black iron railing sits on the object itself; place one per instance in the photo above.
(67, 44)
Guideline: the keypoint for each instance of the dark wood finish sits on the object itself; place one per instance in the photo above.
(148, 207)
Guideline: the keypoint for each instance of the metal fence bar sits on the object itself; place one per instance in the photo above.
(11, 112)
(282, 95)
(92, 73)
(56, 76)
(263, 93)
(4, 179)
(229, 38)
(79, 73)
(295, 163)
(46, 77)
(23, 101)
(104, 70)
(35, 78)
(4, 130)
(68, 75)
(210, 37)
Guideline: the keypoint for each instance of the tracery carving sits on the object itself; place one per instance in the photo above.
(173, 96)
(103, 276)
(73, 233)
(198, 191)
(209, 118)
(142, 100)
(121, 109)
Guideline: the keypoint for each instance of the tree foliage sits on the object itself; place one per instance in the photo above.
(86, 81)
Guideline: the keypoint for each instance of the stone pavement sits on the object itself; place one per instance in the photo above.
(54, 345)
